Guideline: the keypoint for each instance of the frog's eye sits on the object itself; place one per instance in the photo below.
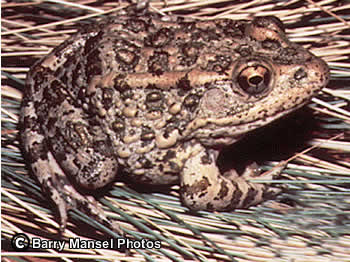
(254, 79)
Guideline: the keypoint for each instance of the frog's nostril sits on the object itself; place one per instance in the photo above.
(300, 74)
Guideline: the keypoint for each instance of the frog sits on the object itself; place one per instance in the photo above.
(154, 99)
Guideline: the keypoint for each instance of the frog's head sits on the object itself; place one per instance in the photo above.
(273, 79)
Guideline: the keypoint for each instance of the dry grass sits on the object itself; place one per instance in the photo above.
(310, 222)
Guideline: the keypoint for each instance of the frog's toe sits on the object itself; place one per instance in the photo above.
(62, 210)
(251, 171)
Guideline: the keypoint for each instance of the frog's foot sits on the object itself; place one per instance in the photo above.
(70, 199)
(253, 171)
(67, 198)
(204, 187)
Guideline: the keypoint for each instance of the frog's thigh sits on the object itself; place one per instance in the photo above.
(204, 187)
(88, 158)
(90, 168)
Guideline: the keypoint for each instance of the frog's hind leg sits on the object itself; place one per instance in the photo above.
(55, 183)
(62, 193)
(51, 175)
(203, 187)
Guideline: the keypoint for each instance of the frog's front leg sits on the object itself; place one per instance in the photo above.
(203, 187)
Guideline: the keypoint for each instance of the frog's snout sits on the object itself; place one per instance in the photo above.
(318, 73)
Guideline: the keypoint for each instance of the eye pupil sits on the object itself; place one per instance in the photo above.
(255, 80)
